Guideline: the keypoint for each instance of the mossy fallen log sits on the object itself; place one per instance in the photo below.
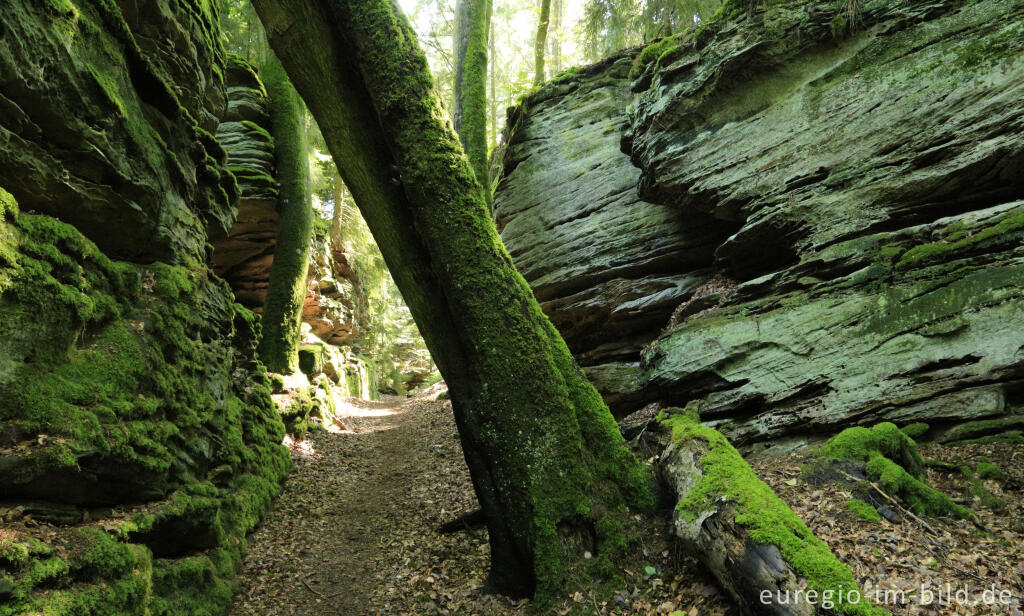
(757, 548)
(891, 459)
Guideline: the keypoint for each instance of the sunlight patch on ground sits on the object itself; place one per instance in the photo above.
(301, 449)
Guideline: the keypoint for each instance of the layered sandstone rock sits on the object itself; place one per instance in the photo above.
(867, 185)
(134, 417)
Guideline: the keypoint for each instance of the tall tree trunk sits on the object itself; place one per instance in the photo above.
(542, 38)
(282, 310)
(543, 451)
(556, 39)
(339, 210)
(472, 22)
(492, 58)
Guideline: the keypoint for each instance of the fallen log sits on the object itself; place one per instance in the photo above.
(757, 548)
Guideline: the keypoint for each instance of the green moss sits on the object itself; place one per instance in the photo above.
(861, 444)
(282, 310)
(990, 430)
(471, 91)
(311, 358)
(918, 496)
(864, 511)
(658, 50)
(8, 206)
(567, 74)
(980, 492)
(987, 470)
(891, 459)
(132, 383)
(915, 430)
(260, 131)
(9, 239)
(12, 553)
(769, 521)
(1009, 229)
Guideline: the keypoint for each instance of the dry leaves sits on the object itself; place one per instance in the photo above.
(899, 563)
(355, 532)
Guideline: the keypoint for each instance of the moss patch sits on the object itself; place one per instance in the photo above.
(915, 430)
(891, 459)
(657, 51)
(987, 470)
(957, 242)
(767, 518)
(864, 511)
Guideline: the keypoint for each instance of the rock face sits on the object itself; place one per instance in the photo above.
(133, 415)
(335, 307)
(607, 266)
(106, 123)
(869, 186)
(244, 255)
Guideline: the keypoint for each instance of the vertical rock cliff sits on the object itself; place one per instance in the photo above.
(138, 441)
(854, 189)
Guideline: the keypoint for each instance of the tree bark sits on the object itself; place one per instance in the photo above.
(286, 290)
(543, 450)
(556, 39)
(339, 210)
(542, 38)
(472, 24)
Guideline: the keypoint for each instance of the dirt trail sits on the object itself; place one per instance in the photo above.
(356, 519)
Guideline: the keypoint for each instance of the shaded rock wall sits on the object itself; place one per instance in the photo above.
(244, 254)
(870, 184)
(607, 266)
(105, 122)
(138, 440)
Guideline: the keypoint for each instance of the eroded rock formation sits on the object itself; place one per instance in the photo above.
(244, 254)
(133, 414)
(866, 183)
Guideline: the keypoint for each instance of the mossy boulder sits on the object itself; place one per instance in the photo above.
(134, 383)
(311, 358)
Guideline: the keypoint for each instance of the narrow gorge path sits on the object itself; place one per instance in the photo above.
(354, 529)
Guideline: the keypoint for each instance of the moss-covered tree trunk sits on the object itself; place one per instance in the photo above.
(282, 310)
(541, 43)
(472, 24)
(542, 448)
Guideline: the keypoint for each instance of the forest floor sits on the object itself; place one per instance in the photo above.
(354, 532)
(902, 564)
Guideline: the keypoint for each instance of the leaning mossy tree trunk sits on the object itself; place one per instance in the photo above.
(747, 537)
(545, 455)
(472, 25)
(282, 310)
